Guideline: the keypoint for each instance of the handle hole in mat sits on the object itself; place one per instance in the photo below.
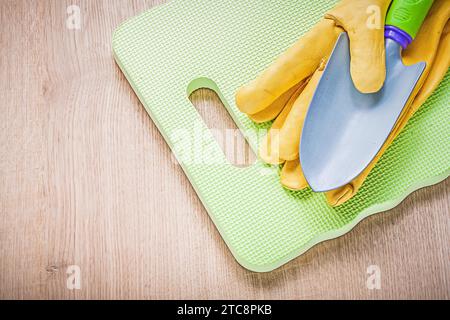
(230, 139)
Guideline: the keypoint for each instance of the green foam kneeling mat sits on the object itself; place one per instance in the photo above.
(170, 51)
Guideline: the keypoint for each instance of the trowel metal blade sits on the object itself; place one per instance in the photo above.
(345, 129)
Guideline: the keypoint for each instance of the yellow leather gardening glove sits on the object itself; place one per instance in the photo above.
(271, 90)
(291, 80)
(285, 89)
(432, 45)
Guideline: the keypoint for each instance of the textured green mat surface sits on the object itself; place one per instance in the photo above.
(172, 50)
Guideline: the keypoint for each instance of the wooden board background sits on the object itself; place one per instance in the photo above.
(87, 180)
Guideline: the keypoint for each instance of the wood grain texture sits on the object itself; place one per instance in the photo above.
(87, 180)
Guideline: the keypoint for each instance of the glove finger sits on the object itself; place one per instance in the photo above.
(295, 65)
(290, 132)
(367, 50)
(292, 176)
(438, 71)
(341, 195)
(275, 109)
(424, 47)
(269, 149)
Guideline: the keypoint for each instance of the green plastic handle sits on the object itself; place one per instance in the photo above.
(408, 15)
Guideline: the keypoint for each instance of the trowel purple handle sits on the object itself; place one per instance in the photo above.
(398, 35)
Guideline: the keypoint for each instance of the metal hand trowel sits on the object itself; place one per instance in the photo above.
(345, 129)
